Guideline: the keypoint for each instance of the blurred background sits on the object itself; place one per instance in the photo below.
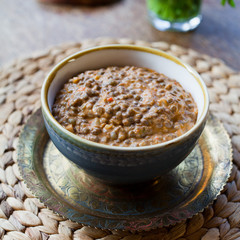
(31, 25)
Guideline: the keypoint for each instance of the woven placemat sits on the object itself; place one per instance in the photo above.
(23, 217)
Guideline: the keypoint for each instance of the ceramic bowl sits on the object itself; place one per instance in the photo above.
(124, 165)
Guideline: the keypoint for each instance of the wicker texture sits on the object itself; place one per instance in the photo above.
(23, 217)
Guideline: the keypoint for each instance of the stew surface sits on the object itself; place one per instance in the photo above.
(125, 106)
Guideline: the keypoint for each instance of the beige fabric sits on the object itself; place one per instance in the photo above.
(23, 217)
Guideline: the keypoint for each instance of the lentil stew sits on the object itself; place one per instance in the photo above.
(125, 106)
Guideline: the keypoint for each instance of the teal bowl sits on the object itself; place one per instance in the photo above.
(124, 165)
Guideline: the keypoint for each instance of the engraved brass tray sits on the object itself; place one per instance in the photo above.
(178, 195)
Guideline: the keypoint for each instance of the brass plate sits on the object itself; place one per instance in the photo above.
(178, 195)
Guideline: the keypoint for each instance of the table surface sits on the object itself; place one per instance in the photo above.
(32, 26)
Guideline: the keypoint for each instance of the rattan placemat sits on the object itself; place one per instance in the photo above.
(23, 217)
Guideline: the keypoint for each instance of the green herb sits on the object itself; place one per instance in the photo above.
(230, 2)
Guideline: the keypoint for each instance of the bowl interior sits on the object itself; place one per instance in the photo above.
(134, 56)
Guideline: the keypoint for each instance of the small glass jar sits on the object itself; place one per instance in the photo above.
(174, 15)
